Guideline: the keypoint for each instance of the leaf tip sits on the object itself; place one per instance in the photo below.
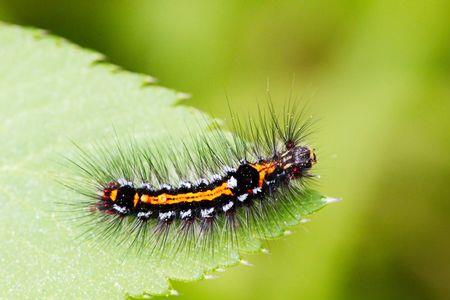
(329, 200)
(246, 263)
(287, 232)
(210, 276)
(265, 251)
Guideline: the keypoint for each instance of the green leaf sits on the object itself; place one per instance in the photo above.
(52, 91)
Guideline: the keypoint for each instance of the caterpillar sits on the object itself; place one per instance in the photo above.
(211, 187)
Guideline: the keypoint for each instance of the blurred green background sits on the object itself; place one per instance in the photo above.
(376, 74)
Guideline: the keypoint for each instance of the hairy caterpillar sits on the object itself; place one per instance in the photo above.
(214, 190)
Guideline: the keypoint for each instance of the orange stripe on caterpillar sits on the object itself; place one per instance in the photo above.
(264, 170)
(113, 195)
(135, 200)
(165, 198)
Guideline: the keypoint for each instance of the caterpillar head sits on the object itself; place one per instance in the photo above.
(297, 160)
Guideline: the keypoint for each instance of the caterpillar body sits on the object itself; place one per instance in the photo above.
(205, 198)
(211, 190)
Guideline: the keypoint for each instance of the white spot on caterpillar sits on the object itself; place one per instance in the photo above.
(305, 220)
(204, 181)
(145, 215)
(227, 206)
(206, 213)
(242, 197)
(120, 208)
(174, 292)
(124, 182)
(186, 213)
(287, 232)
(146, 186)
(228, 169)
(210, 276)
(232, 182)
(166, 186)
(164, 216)
(216, 177)
(186, 184)
(257, 190)
(265, 251)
